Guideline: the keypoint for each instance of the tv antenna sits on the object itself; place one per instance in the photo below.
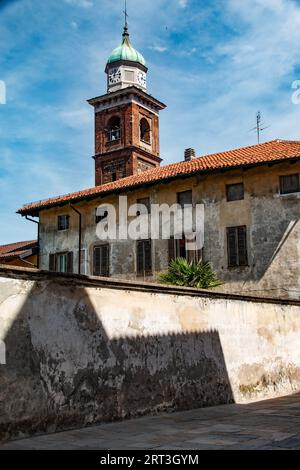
(259, 126)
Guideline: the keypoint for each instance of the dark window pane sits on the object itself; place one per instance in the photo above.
(63, 222)
(114, 129)
(52, 262)
(185, 198)
(70, 262)
(144, 258)
(145, 201)
(98, 218)
(289, 184)
(172, 250)
(145, 132)
(235, 192)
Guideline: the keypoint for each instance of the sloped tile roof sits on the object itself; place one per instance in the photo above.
(274, 151)
(14, 250)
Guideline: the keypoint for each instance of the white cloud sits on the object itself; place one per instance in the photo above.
(74, 24)
(183, 3)
(81, 3)
(158, 48)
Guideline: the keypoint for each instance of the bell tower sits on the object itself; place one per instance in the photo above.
(126, 117)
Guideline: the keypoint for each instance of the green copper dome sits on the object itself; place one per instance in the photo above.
(126, 52)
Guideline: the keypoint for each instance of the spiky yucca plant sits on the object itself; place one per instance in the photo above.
(190, 274)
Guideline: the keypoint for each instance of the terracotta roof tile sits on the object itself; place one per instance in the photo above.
(13, 250)
(275, 150)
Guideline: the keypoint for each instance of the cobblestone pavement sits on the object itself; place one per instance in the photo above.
(271, 424)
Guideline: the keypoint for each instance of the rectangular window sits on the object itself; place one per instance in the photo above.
(63, 222)
(235, 192)
(144, 258)
(185, 198)
(98, 218)
(237, 246)
(145, 201)
(101, 261)
(177, 249)
(61, 262)
(289, 184)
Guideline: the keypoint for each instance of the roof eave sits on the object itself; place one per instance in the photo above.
(35, 211)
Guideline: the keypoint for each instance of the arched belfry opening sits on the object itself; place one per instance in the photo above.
(114, 129)
(145, 131)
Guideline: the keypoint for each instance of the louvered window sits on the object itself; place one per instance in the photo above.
(289, 184)
(237, 246)
(101, 260)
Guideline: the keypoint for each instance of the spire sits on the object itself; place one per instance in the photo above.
(125, 33)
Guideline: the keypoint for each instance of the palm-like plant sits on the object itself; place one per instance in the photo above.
(190, 274)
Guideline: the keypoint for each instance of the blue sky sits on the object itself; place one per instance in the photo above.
(213, 63)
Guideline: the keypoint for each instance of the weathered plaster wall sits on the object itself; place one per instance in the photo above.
(80, 350)
(272, 222)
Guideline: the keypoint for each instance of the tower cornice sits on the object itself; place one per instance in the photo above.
(132, 92)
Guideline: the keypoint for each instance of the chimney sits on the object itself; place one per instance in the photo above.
(189, 154)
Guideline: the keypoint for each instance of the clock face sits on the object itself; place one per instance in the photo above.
(114, 76)
(142, 79)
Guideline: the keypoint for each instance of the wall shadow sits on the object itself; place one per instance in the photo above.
(64, 371)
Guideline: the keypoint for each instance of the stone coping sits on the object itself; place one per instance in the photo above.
(151, 287)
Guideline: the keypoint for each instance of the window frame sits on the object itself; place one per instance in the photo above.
(231, 185)
(237, 230)
(281, 186)
(54, 261)
(147, 205)
(185, 192)
(144, 272)
(60, 227)
(99, 218)
(102, 272)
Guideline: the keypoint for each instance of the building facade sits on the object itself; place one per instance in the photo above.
(251, 198)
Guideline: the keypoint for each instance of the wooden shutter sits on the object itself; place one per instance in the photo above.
(101, 261)
(242, 246)
(70, 262)
(140, 258)
(104, 260)
(148, 257)
(237, 246)
(171, 249)
(232, 247)
(289, 184)
(144, 257)
(52, 262)
(96, 261)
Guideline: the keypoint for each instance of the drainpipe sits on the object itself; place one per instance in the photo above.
(79, 238)
(38, 223)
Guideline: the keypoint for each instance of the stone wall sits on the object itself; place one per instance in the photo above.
(80, 350)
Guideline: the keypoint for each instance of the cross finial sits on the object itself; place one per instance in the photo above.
(126, 22)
